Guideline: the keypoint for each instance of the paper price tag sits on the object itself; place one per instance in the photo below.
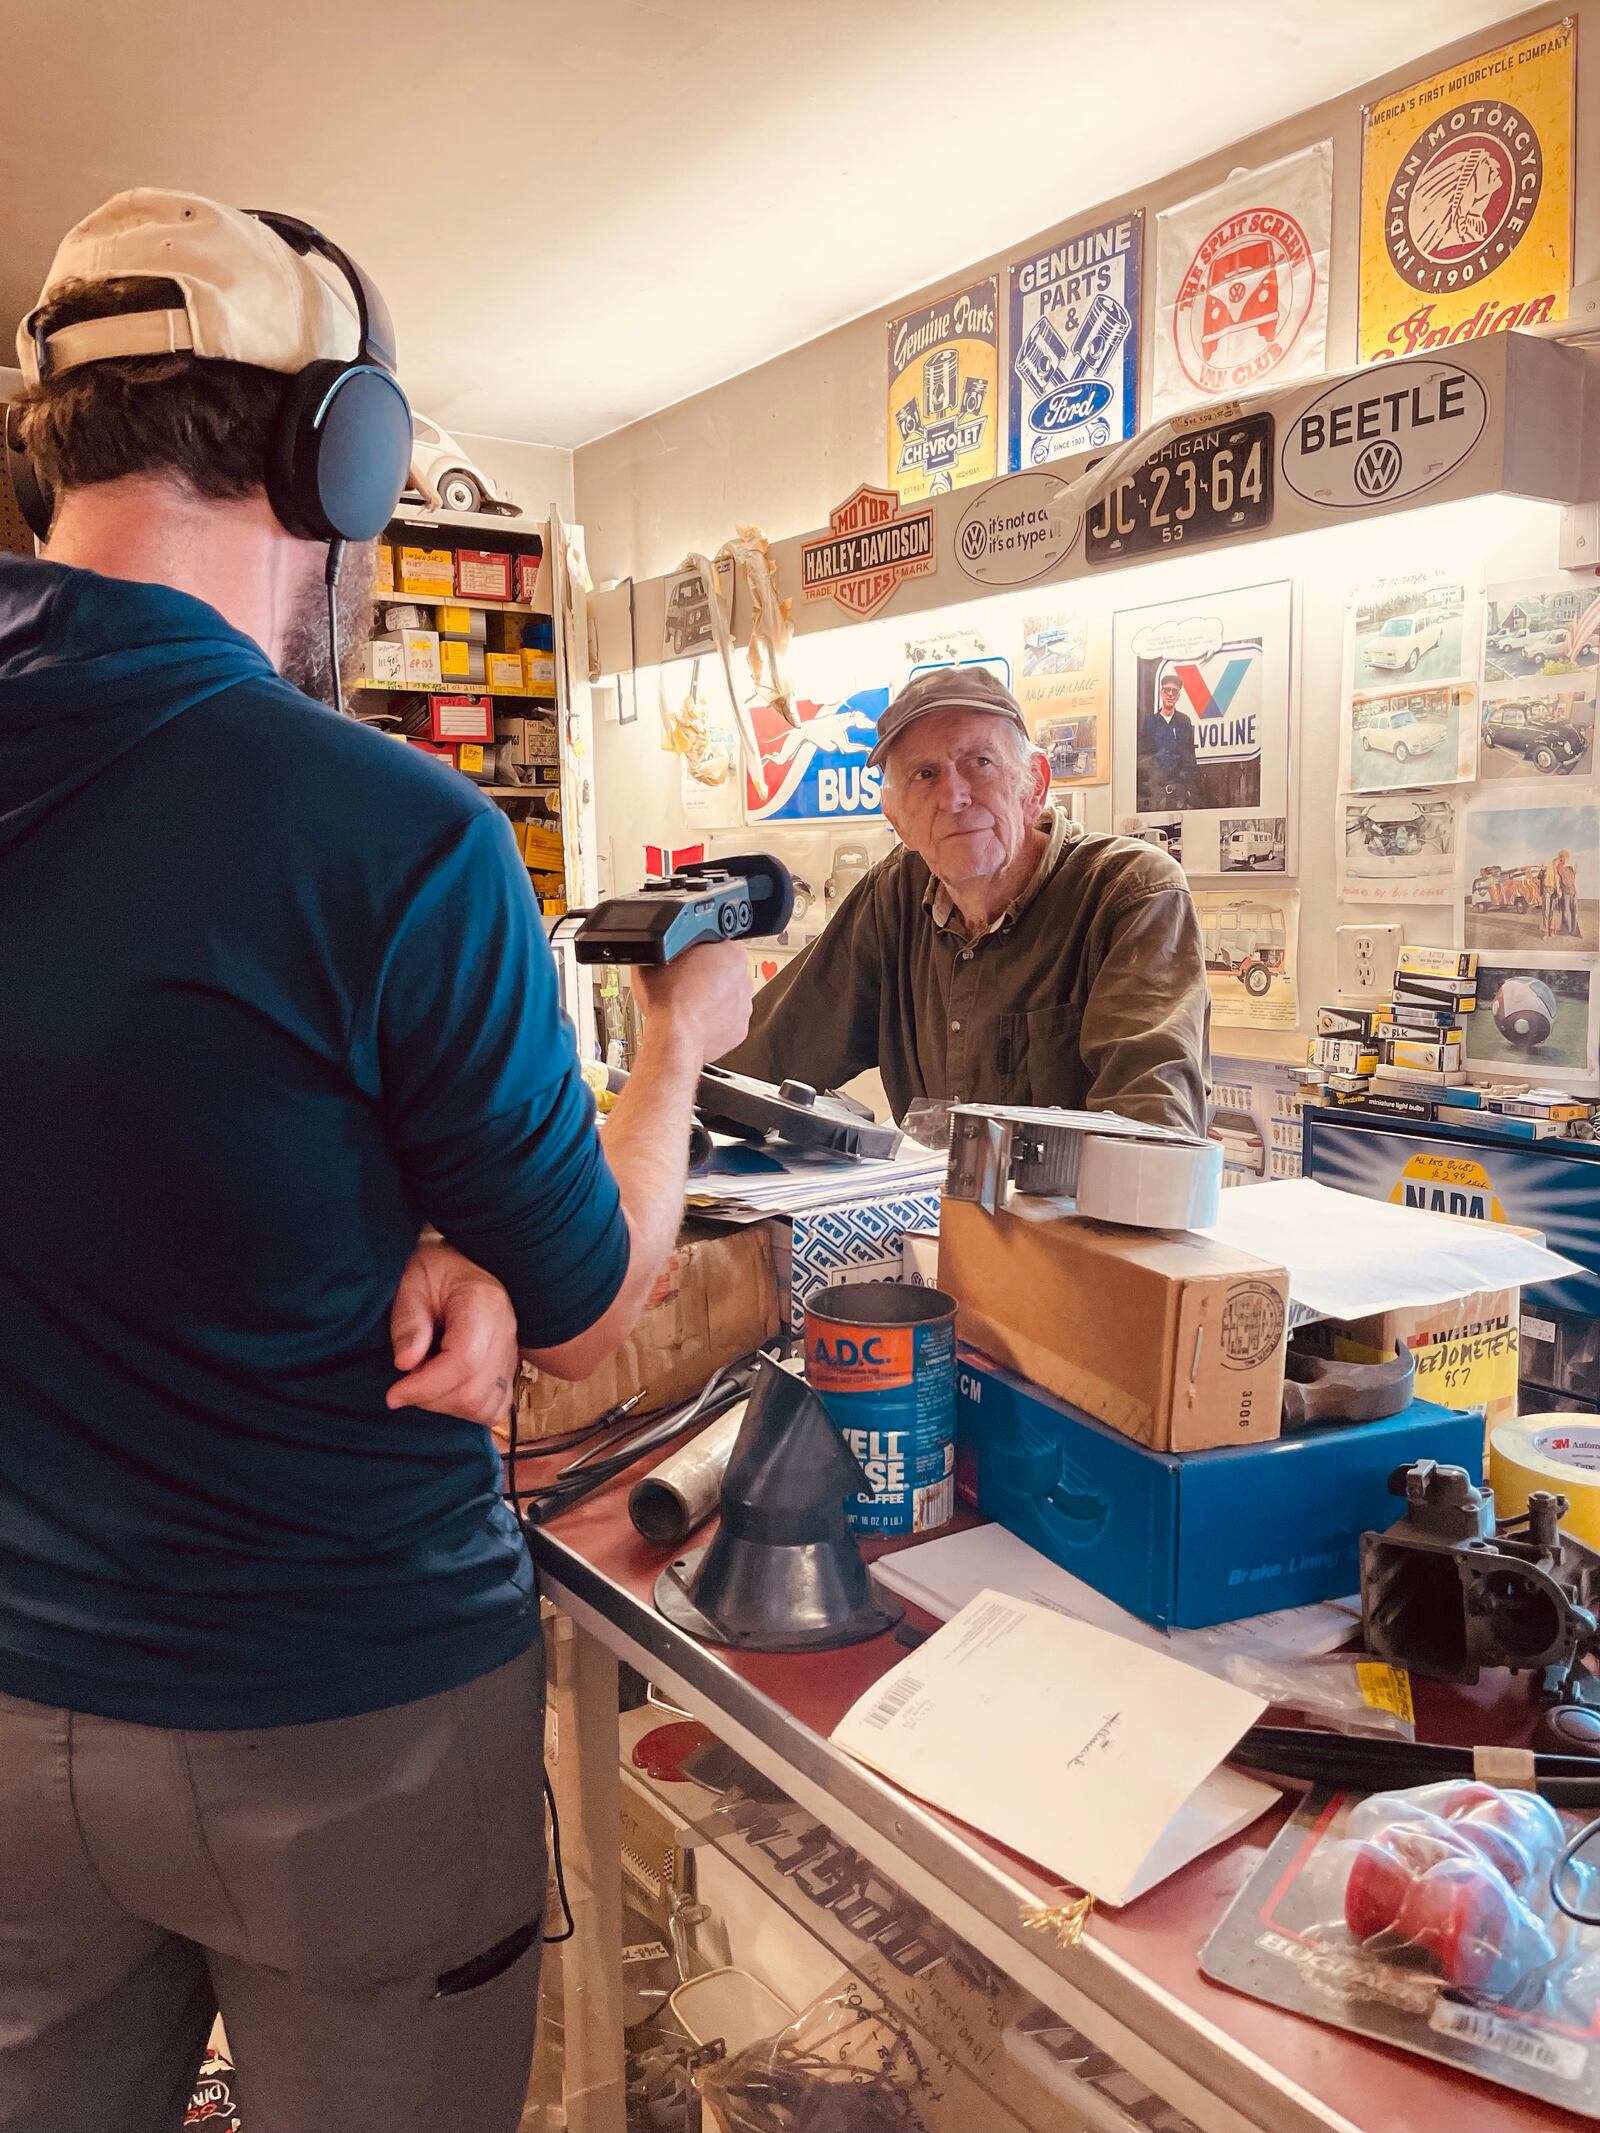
(1386, 1688)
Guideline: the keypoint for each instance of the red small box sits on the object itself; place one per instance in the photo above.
(461, 718)
(415, 740)
(528, 567)
(483, 574)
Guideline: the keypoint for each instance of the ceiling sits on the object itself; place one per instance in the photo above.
(583, 210)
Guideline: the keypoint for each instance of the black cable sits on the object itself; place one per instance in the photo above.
(1568, 1859)
(330, 578)
(554, 1940)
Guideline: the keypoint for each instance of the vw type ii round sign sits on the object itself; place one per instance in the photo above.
(1384, 435)
(1020, 528)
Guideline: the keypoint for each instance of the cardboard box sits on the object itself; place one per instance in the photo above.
(1171, 1338)
(856, 1240)
(470, 623)
(472, 761)
(386, 662)
(1467, 1352)
(461, 718)
(527, 582)
(427, 573)
(1344, 1055)
(395, 617)
(503, 671)
(1188, 1541)
(422, 658)
(532, 740)
(542, 849)
(483, 574)
(459, 661)
(1458, 995)
(1438, 962)
(539, 672)
(920, 1259)
(719, 1298)
(1422, 1057)
(1349, 1021)
(382, 570)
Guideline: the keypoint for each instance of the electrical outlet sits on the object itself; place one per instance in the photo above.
(1366, 957)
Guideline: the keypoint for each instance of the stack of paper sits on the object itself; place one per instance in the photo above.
(942, 1576)
(1348, 1256)
(791, 1180)
(1089, 1755)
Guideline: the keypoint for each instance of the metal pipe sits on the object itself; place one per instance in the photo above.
(673, 1498)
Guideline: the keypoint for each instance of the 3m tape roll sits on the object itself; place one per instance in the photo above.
(1556, 1452)
(1150, 1184)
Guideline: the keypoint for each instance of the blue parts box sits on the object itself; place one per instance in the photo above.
(1185, 1540)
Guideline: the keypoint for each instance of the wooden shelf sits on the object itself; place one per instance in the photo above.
(454, 688)
(489, 607)
(517, 522)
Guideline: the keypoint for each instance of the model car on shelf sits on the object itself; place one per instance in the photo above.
(1538, 731)
(447, 478)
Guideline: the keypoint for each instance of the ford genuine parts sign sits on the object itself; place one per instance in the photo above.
(1379, 438)
(1018, 529)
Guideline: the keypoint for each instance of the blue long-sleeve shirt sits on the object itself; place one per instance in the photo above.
(273, 991)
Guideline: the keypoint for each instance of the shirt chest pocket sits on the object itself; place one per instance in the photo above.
(1039, 1058)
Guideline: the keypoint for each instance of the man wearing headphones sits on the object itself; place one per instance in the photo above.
(276, 994)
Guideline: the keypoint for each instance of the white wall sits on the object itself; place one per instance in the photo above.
(536, 475)
(784, 443)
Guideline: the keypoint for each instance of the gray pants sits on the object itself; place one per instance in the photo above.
(361, 1899)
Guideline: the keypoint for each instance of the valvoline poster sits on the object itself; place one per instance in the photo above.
(1075, 343)
(817, 771)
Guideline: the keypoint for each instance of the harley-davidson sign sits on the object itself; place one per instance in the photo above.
(870, 547)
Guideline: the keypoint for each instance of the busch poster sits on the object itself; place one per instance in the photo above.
(1466, 199)
(1074, 381)
(1242, 283)
(944, 393)
(817, 771)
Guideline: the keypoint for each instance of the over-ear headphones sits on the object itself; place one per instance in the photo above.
(340, 455)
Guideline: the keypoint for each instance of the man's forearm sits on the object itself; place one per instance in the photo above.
(647, 1147)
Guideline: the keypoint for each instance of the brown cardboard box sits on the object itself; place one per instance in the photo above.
(1174, 1339)
(1465, 1351)
(719, 1300)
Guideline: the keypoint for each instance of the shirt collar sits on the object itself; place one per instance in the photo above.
(938, 900)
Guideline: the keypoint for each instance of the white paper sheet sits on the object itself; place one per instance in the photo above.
(1071, 1746)
(1348, 1256)
(942, 1576)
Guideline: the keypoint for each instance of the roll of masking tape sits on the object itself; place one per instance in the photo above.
(1556, 1452)
(1148, 1183)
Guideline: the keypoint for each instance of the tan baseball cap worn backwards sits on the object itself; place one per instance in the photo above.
(247, 296)
(947, 689)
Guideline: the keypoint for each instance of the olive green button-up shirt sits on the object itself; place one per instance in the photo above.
(1088, 991)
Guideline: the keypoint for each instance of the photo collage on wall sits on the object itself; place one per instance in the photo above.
(1468, 771)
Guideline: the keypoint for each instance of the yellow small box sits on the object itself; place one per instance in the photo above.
(453, 621)
(539, 672)
(504, 670)
(382, 570)
(461, 662)
(425, 573)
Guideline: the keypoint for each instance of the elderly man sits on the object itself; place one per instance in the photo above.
(1004, 954)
